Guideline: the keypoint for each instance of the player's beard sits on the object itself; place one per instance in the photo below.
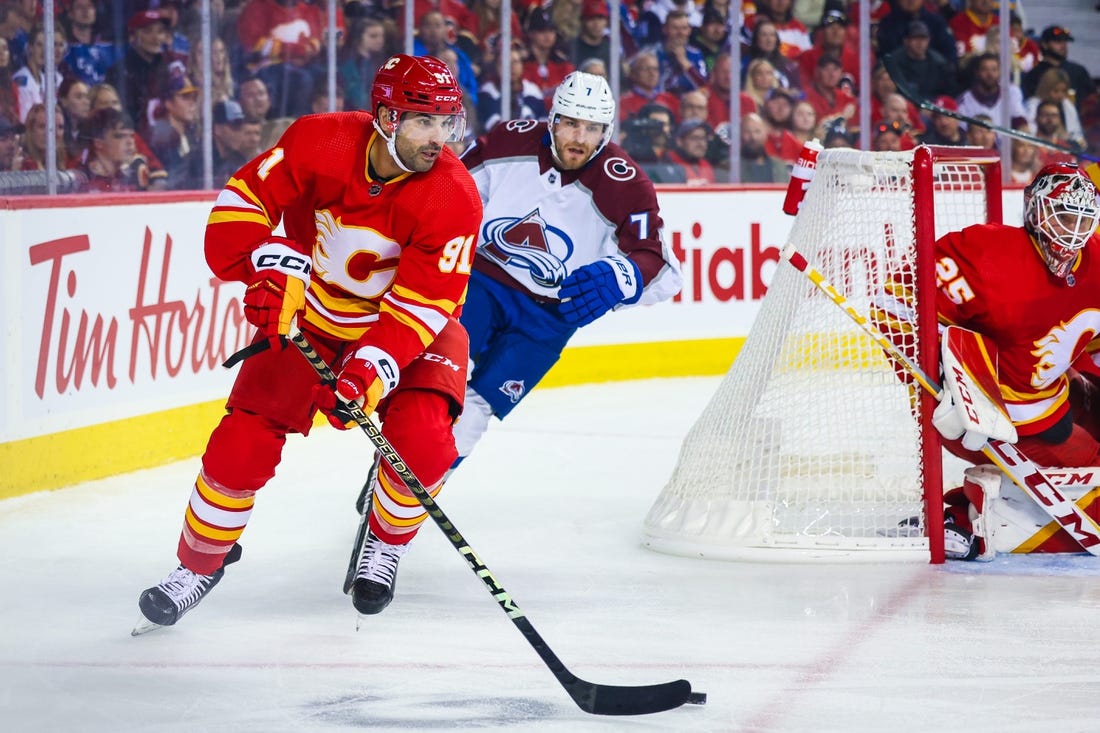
(413, 156)
(570, 156)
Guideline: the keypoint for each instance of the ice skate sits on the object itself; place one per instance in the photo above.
(376, 576)
(164, 603)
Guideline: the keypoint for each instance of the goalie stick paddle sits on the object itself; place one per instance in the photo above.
(1006, 456)
(589, 696)
(913, 96)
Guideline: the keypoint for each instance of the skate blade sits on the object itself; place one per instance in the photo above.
(144, 626)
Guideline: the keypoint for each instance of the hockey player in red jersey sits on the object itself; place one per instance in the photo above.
(571, 231)
(1031, 295)
(380, 224)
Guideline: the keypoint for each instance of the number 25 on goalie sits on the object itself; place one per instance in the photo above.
(951, 282)
(456, 255)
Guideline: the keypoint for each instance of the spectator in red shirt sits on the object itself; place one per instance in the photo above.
(548, 65)
(777, 109)
(827, 96)
(645, 86)
(718, 94)
(831, 38)
(970, 26)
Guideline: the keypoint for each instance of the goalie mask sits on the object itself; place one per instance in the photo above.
(417, 92)
(1062, 212)
(584, 97)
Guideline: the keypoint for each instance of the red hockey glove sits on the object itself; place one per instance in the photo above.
(366, 376)
(277, 291)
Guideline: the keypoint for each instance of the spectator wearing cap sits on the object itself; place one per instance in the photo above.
(827, 96)
(776, 113)
(985, 95)
(682, 66)
(943, 129)
(11, 153)
(527, 103)
(689, 151)
(111, 162)
(711, 36)
(229, 142)
(173, 137)
(593, 40)
(922, 67)
(644, 76)
(765, 45)
(894, 25)
(547, 65)
(831, 38)
(89, 55)
(433, 37)
(970, 27)
(1054, 43)
(138, 74)
(178, 45)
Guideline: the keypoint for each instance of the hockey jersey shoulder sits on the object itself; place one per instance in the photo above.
(511, 139)
(619, 186)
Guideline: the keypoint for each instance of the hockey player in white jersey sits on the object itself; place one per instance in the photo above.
(571, 230)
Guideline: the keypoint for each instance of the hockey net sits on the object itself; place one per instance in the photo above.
(813, 446)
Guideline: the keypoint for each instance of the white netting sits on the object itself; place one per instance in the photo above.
(812, 442)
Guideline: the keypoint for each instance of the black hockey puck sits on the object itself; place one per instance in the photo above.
(697, 698)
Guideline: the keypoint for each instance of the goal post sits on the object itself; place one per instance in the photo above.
(815, 446)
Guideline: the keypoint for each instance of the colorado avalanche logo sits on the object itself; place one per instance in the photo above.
(514, 389)
(520, 125)
(528, 243)
(618, 169)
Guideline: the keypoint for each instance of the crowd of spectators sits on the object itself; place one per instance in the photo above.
(129, 109)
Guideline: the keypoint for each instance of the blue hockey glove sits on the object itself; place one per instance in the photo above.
(594, 289)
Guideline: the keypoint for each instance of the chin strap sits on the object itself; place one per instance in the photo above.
(392, 147)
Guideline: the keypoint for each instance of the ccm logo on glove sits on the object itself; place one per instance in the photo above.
(287, 263)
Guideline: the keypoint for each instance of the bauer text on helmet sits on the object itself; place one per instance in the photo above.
(581, 98)
(1062, 212)
(423, 109)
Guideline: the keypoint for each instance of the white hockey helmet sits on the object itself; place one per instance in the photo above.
(1061, 211)
(584, 97)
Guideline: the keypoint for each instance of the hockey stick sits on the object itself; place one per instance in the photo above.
(362, 505)
(590, 697)
(913, 96)
(1005, 456)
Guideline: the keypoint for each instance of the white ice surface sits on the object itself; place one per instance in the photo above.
(553, 501)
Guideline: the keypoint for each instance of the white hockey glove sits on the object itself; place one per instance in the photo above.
(947, 418)
(970, 404)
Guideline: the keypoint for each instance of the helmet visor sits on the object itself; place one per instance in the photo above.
(422, 128)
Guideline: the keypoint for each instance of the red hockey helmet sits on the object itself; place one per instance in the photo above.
(416, 84)
(1062, 211)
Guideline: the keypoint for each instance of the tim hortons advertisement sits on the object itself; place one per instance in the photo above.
(111, 312)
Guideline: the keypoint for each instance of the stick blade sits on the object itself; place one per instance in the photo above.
(617, 700)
